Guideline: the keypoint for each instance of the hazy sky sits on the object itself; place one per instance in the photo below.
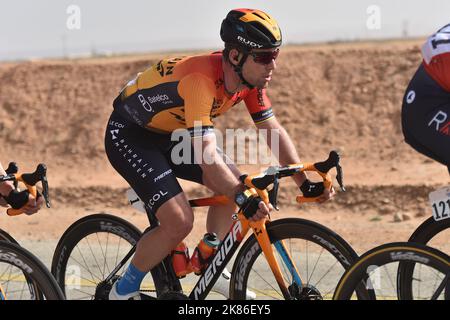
(39, 28)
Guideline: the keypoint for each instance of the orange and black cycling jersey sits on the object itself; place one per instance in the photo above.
(185, 93)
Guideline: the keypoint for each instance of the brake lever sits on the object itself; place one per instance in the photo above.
(40, 174)
(340, 176)
(273, 194)
(45, 192)
(13, 169)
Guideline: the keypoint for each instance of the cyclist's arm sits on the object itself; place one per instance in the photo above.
(198, 94)
(260, 109)
(216, 173)
(287, 153)
(219, 177)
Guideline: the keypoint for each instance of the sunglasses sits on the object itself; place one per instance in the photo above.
(265, 57)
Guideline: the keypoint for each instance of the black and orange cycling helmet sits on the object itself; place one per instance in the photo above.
(250, 29)
(247, 29)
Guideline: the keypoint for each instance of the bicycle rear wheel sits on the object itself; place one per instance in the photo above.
(24, 277)
(432, 233)
(89, 251)
(377, 270)
(321, 257)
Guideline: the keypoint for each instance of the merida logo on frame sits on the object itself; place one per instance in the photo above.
(219, 258)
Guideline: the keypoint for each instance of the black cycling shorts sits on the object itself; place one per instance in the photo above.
(426, 117)
(143, 159)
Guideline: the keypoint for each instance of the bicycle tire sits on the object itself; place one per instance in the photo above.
(390, 253)
(105, 223)
(289, 228)
(5, 236)
(423, 234)
(33, 269)
(83, 228)
(34, 290)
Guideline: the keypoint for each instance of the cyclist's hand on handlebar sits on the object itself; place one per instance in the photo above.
(262, 212)
(316, 189)
(24, 201)
(327, 195)
(33, 205)
(252, 206)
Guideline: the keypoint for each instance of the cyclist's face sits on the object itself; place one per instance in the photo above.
(259, 66)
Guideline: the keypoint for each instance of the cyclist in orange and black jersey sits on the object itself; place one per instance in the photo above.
(177, 93)
(426, 104)
(188, 93)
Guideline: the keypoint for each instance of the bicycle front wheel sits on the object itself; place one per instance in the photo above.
(432, 233)
(320, 255)
(24, 277)
(377, 270)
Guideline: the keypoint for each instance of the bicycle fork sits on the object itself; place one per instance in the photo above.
(260, 231)
(2, 294)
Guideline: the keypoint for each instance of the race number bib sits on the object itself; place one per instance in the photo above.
(440, 203)
(437, 44)
(134, 200)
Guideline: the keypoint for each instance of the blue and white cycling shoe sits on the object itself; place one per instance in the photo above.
(114, 295)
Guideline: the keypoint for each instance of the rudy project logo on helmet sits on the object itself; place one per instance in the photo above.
(249, 43)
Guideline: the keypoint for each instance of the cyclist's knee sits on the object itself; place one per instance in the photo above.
(178, 228)
(176, 218)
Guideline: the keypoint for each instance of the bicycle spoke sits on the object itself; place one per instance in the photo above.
(6, 268)
(104, 254)
(93, 255)
(264, 293)
(418, 280)
(85, 279)
(315, 266)
(15, 291)
(21, 293)
(117, 253)
(418, 289)
(85, 266)
(390, 281)
(15, 276)
(327, 272)
(438, 285)
(84, 292)
(268, 283)
(9, 276)
(307, 264)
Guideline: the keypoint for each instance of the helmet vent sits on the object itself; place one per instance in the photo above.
(258, 15)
